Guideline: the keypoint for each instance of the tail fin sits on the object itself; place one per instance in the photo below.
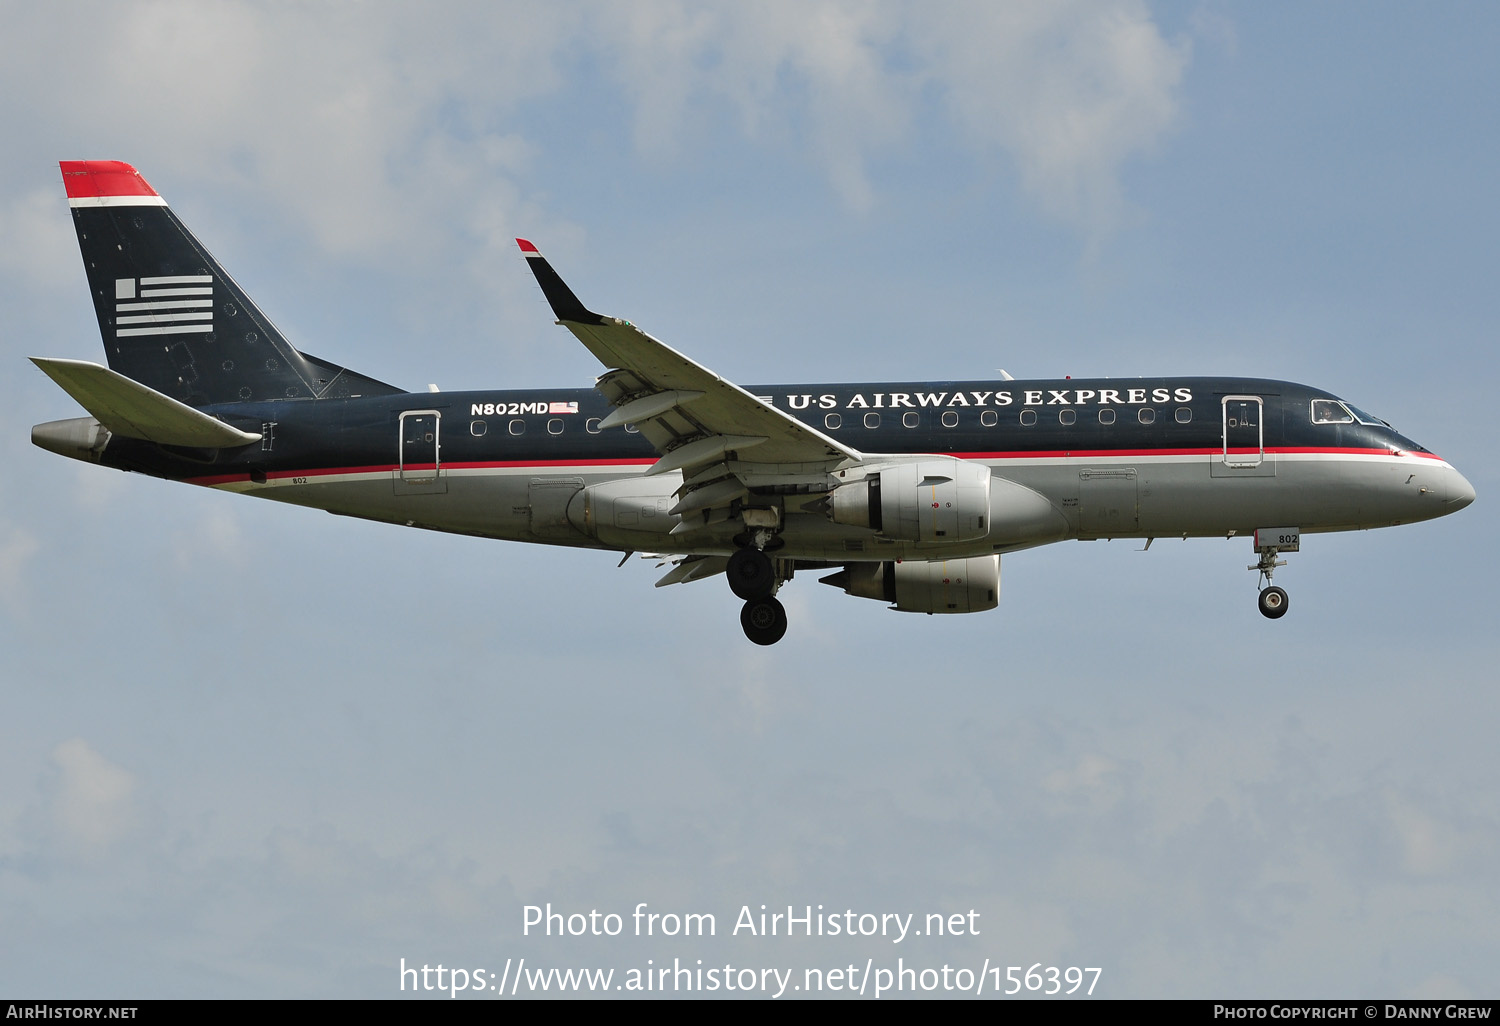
(171, 318)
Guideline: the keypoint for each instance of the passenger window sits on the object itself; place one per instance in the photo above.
(872, 420)
(1067, 417)
(1147, 415)
(518, 427)
(555, 426)
(1028, 418)
(950, 418)
(989, 418)
(1184, 414)
(477, 428)
(833, 422)
(1106, 416)
(1326, 411)
(591, 425)
(911, 420)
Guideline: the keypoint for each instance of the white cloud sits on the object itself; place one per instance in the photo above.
(365, 120)
(818, 75)
(384, 132)
(1093, 779)
(1440, 987)
(1069, 91)
(218, 537)
(97, 489)
(39, 246)
(93, 804)
(17, 546)
(1429, 845)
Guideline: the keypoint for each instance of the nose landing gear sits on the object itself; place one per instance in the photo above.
(1269, 543)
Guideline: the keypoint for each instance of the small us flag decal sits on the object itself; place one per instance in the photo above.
(170, 305)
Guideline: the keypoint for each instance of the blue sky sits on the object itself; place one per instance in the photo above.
(261, 751)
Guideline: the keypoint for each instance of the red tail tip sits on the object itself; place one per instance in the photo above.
(527, 247)
(86, 179)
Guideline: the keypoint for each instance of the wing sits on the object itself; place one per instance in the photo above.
(724, 440)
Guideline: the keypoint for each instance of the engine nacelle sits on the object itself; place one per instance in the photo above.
(937, 586)
(933, 500)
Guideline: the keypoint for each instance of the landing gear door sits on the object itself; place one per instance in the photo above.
(1109, 504)
(419, 458)
(550, 497)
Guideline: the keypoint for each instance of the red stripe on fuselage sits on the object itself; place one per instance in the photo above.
(1360, 452)
(281, 475)
(1094, 454)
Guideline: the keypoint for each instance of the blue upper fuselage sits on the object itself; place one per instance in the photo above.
(971, 419)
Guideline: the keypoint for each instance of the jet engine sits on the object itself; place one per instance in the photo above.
(937, 586)
(933, 500)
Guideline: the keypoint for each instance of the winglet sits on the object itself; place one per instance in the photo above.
(565, 305)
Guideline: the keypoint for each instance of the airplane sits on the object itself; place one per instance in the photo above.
(909, 492)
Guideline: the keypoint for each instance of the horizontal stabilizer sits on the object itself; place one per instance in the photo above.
(131, 409)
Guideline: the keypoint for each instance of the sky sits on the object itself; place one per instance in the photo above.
(250, 750)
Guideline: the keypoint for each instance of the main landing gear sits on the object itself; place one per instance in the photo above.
(752, 576)
(764, 620)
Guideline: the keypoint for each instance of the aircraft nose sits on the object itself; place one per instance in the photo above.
(1460, 492)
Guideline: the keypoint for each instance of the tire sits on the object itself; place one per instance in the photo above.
(750, 574)
(764, 621)
(1273, 603)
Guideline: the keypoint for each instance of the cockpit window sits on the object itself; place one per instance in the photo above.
(1368, 418)
(1330, 411)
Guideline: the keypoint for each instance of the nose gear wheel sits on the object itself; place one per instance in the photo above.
(1273, 603)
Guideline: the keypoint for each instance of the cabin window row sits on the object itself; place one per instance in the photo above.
(555, 426)
(835, 421)
(990, 418)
